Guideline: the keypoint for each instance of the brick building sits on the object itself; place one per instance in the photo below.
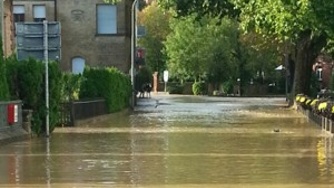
(92, 32)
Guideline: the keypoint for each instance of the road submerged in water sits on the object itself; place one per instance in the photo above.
(179, 141)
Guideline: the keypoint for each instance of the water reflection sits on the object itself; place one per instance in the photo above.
(324, 157)
(223, 146)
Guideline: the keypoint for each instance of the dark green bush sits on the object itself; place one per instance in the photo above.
(108, 83)
(227, 87)
(71, 87)
(4, 90)
(199, 88)
(27, 83)
(175, 89)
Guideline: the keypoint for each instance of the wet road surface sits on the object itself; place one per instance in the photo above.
(178, 141)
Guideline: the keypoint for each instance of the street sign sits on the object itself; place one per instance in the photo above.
(166, 76)
(30, 40)
(141, 31)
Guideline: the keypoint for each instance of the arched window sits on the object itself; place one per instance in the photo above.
(78, 65)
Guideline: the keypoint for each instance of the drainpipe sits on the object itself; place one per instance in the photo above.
(56, 10)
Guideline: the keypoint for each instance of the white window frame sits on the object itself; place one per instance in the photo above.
(19, 11)
(39, 12)
(106, 19)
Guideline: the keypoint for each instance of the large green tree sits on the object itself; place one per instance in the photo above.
(213, 8)
(303, 24)
(156, 22)
(202, 49)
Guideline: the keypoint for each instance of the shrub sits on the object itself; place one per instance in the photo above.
(175, 89)
(108, 83)
(199, 88)
(4, 90)
(27, 82)
(71, 87)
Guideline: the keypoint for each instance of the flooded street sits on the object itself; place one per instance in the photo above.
(179, 141)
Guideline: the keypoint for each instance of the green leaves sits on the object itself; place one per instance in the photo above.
(156, 22)
(198, 48)
(108, 83)
(4, 90)
(214, 8)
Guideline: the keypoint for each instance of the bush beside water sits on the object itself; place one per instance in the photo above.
(26, 82)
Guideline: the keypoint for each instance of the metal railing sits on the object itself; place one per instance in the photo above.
(79, 110)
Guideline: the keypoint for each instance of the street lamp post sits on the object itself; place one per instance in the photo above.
(133, 46)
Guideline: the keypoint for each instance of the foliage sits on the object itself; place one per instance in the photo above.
(144, 76)
(202, 8)
(71, 87)
(199, 49)
(199, 88)
(26, 81)
(175, 88)
(156, 22)
(4, 90)
(227, 87)
(108, 83)
(55, 87)
(303, 26)
(12, 67)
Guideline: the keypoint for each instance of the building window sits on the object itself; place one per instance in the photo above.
(18, 12)
(39, 13)
(78, 65)
(106, 19)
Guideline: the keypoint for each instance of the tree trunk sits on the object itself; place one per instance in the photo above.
(308, 47)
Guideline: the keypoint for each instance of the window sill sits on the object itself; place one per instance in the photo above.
(110, 35)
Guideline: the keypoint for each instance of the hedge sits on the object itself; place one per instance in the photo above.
(26, 80)
(4, 91)
(108, 83)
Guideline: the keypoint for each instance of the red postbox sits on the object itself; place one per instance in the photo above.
(12, 114)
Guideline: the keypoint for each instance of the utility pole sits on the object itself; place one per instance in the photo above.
(46, 61)
(133, 48)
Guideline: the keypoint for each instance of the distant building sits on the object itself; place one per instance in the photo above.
(92, 32)
(323, 68)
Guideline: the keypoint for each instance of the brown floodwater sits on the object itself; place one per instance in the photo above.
(179, 141)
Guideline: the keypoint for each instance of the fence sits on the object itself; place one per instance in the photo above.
(325, 123)
(78, 110)
(10, 114)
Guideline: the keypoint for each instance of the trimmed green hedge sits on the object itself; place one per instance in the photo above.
(4, 91)
(108, 83)
(26, 80)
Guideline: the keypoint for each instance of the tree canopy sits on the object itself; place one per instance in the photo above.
(156, 22)
(200, 49)
(304, 25)
(213, 8)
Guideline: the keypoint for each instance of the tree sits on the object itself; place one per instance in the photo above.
(202, 49)
(303, 24)
(156, 22)
(201, 8)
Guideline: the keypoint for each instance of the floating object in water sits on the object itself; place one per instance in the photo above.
(156, 103)
(277, 130)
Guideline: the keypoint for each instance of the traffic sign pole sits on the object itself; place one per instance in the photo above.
(46, 61)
